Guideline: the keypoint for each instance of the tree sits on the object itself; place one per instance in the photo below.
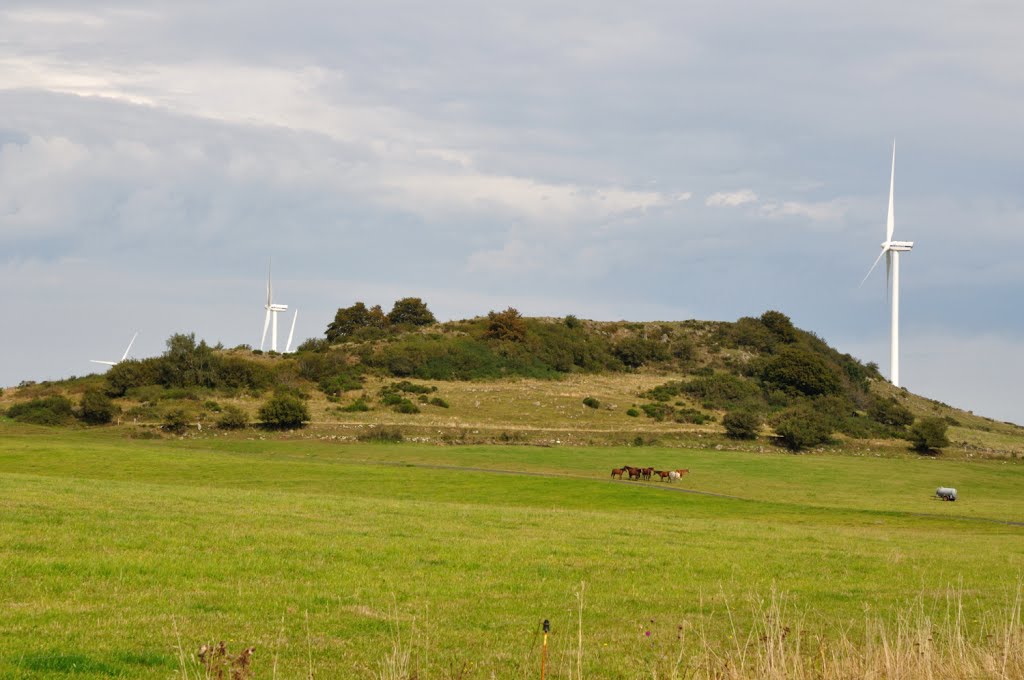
(780, 325)
(132, 373)
(928, 435)
(507, 325)
(741, 424)
(348, 320)
(96, 408)
(187, 364)
(410, 311)
(284, 411)
(176, 422)
(803, 426)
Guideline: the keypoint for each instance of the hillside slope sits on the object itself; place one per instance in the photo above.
(508, 379)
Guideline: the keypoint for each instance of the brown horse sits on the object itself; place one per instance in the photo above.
(647, 472)
(634, 473)
(617, 472)
(683, 472)
(662, 474)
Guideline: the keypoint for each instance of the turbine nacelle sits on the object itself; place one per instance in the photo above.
(901, 246)
(277, 308)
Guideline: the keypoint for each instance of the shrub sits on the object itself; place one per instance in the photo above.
(632, 412)
(350, 320)
(635, 351)
(233, 418)
(96, 408)
(176, 421)
(132, 374)
(590, 402)
(803, 426)
(211, 405)
(657, 411)
(507, 326)
(722, 390)
(357, 406)
(284, 411)
(890, 412)
(405, 406)
(741, 424)
(54, 410)
(780, 325)
(571, 321)
(929, 434)
(692, 415)
(438, 401)
(799, 370)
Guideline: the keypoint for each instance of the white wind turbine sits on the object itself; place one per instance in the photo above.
(891, 250)
(123, 356)
(272, 311)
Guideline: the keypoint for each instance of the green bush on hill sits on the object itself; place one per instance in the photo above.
(741, 424)
(929, 434)
(889, 412)
(797, 370)
(803, 426)
(284, 411)
(52, 410)
(96, 408)
(233, 418)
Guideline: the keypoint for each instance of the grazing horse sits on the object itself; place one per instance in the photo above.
(662, 474)
(634, 473)
(683, 472)
(617, 472)
(673, 475)
(647, 472)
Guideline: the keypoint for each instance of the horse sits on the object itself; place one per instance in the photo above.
(673, 475)
(634, 473)
(647, 472)
(662, 474)
(617, 472)
(683, 472)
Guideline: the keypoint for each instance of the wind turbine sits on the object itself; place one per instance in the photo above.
(272, 311)
(891, 250)
(123, 357)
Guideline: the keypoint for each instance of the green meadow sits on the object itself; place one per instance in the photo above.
(120, 557)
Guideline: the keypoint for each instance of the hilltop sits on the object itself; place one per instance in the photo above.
(504, 378)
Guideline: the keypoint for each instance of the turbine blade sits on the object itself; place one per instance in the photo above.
(888, 273)
(125, 355)
(291, 333)
(266, 325)
(107, 363)
(877, 260)
(270, 296)
(890, 223)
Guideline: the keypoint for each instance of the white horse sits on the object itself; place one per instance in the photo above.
(673, 476)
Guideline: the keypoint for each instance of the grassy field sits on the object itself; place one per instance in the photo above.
(120, 557)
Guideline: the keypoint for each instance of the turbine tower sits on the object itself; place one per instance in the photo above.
(123, 357)
(891, 250)
(272, 311)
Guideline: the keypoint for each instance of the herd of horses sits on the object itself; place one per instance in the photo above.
(647, 473)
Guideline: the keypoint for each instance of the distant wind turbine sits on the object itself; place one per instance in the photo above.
(891, 250)
(123, 357)
(272, 311)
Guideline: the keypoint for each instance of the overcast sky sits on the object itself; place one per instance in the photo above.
(644, 160)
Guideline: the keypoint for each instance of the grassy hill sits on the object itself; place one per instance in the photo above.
(508, 379)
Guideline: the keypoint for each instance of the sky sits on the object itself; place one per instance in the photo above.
(640, 161)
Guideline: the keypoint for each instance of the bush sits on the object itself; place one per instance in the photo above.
(692, 415)
(799, 370)
(96, 408)
(357, 406)
(233, 418)
(284, 411)
(803, 426)
(438, 401)
(405, 406)
(657, 411)
(55, 410)
(929, 434)
(507, 326)
(632, 412)
(590, 402)
(741, 424)
(176, 421)
(889, 412)
(722, 390)
(635, 351)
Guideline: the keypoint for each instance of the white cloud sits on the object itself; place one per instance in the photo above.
(730, 199)
(819, 212)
